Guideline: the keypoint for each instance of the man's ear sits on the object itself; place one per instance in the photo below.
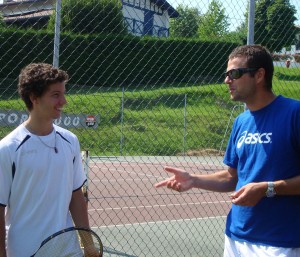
(33, 98)
(260, 75)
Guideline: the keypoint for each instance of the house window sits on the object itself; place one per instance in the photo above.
(148, 22)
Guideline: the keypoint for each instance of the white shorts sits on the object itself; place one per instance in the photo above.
(234, 248)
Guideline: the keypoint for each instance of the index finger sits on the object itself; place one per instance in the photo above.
(173, 170)
(162, 183)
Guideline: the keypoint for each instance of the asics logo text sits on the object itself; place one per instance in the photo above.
(254, 138)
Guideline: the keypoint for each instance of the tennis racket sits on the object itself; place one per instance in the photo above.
(71, 242)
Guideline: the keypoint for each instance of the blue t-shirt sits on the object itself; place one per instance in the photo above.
(265, 146)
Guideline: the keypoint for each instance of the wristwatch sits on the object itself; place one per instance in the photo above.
(271, 190)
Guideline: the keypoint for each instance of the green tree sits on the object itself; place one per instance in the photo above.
(186, 25)
(240, 34)
(214, 23)
(274, 24)
(91, 16)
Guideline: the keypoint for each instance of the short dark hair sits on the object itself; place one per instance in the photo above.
(257, 57)
(35, 79)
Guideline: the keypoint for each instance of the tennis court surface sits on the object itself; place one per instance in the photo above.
(133, 218)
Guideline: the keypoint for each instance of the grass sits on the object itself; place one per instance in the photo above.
(155, 120)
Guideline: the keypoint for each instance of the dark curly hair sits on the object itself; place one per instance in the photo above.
(35, 79)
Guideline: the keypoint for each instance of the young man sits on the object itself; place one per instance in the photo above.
(41, 172)
(263, 159)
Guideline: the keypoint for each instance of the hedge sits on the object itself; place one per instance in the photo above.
(116, 60)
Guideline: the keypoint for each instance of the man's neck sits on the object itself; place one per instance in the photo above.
(262, 101)
(39, 128)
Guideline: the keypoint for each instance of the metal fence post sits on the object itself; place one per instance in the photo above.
(122, 120)
(251, 15)
(184, 125)
(57, 34)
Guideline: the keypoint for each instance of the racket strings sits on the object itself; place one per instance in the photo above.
(72, 243)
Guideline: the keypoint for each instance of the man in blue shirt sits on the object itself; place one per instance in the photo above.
(263, 159)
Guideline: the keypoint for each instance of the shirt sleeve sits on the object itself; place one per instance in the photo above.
(79, 175)
(6, 174)
(230, 157)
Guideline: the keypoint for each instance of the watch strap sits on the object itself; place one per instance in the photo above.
(271, 190)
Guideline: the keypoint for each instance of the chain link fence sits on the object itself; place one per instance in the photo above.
(147, 90)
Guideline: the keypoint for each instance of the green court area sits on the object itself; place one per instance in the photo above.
(195, 237)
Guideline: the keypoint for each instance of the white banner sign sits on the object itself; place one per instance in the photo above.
(15, 118)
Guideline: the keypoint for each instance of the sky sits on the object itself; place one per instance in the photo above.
(235, 9)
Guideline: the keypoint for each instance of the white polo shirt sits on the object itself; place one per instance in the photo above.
(36, 185)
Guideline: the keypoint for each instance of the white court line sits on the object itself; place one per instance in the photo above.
(157, 205)
(160, 222)
(121, 179)
(131, 172)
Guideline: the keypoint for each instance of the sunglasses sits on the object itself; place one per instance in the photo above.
(239, 72)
